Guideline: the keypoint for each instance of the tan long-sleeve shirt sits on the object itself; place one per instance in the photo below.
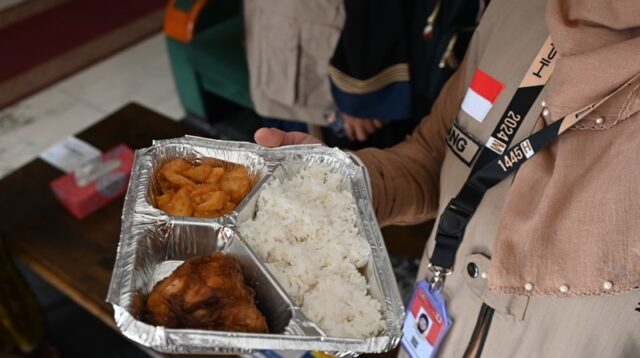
(567, 224)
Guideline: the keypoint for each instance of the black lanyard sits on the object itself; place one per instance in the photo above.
(530, 87)
(487, 173)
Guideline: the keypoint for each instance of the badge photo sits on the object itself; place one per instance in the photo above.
(423, 323)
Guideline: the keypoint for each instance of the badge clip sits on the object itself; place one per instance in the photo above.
(438, 274)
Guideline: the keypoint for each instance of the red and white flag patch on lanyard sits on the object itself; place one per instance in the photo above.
(481, 95)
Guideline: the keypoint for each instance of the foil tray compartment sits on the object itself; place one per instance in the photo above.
(153, 243)
(270, 300)
(165, 150)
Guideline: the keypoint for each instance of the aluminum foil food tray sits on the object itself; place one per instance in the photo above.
(153, 243)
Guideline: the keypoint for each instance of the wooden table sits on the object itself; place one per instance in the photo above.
(77, 256)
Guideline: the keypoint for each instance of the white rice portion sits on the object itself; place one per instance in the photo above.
(305, 230)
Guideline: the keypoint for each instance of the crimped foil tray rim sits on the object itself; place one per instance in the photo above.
(157, 338)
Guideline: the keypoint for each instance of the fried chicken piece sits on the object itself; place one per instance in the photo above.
(205, 292)
(236, 183)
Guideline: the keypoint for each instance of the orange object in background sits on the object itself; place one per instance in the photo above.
(180, 24)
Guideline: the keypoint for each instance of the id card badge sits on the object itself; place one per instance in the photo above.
(425, 323)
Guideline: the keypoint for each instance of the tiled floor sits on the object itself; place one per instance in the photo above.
(140, 73)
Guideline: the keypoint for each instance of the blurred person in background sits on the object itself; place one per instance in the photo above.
(289, 44)
(353, 65)
(390, 63)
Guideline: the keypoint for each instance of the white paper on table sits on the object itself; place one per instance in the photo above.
(69, 154)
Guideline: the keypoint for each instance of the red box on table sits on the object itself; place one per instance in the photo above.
(82, 200)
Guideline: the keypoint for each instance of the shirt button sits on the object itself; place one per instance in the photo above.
(472, 270)
(546, 114)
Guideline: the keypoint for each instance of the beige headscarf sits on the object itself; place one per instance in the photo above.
(571, 221)
(599, 46)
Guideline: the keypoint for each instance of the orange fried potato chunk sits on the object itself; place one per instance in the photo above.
(214, 201)
(170, 177)
(215, 175)
(180, 204)
(164, 200)
(236, 183)
(199, 193)
(201, 190)
(176, 165)
(178, 179)
(228, 207)
(198, 174)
